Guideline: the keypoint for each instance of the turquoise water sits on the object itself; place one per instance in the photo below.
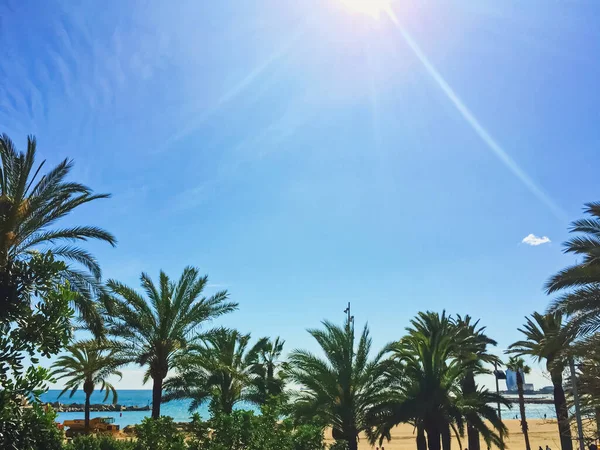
(178, 410)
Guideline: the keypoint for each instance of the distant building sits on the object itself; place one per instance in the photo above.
(528, 386)
(511, 381)
(547, 390)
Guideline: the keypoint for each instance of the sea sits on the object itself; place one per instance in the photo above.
(178, 409)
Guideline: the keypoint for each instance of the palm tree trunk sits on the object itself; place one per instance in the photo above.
(446, 438)
(433, 438)
(524, 426)
(156, 397)
(421, 441)
(469, 387)
(87, 412)
(353, 443)
(562, 413)
(597, 412)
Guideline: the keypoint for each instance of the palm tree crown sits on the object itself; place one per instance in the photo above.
(217, 370)
(546, 337)
(581, 281)
(340, 388)
(153, 331)
(425, 383)
(87, 365)
(31, 205)
(268, 379)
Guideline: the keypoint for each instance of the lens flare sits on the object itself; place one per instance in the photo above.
(372, 8)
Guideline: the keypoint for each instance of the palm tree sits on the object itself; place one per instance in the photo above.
(31, 205)
(581, 282)
(218, 370)
(517, 365)
(425, 382)
(587, 353)
(153, 331)
(87, 365)
(546, 337)
(340, 388)
(268, 381)
(473, 343)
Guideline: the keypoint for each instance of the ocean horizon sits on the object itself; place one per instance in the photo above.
(178, 409)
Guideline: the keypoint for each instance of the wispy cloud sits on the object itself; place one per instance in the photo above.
(237, 89)
(533, 240)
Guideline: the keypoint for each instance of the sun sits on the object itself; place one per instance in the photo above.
(371, 8)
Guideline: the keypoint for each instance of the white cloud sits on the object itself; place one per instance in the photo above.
(534, 240)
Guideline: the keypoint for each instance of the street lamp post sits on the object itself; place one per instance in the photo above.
(577, 407)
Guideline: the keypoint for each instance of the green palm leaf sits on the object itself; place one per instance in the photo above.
(30, 207)
(158, 330)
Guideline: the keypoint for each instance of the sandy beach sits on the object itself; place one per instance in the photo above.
(541, 433)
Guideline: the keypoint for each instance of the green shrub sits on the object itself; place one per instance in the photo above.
(308, 437)
(229, 432)
(271, 434)
(159, 434)
(29, 429)
(339, 444)
(99, 442)
(244, 430)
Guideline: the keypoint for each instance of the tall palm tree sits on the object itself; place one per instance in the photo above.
(340, 388)
(426, 382)
(217, 370)
(472, 348)
(30, 206)
(547, 338)
(587, 353)
(581, 282)
(267, 378)
(517, 365)
(153, 331)
(87, 365)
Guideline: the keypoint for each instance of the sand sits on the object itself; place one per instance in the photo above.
(541, 433)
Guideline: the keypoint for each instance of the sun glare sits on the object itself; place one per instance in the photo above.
(371, 8)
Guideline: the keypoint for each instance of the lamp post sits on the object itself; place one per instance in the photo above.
(576, 400)
(498, 374)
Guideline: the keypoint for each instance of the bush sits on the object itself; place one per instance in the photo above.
(159, 434)
(243, 430)
(29, 429)
(99, 442)
(339, 444)
(308, 437)
(223, 431)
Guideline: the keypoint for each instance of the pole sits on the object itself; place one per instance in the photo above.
(577, 408)
(497, 389)
(498, 394)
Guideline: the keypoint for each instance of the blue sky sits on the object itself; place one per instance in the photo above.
(304, 156)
